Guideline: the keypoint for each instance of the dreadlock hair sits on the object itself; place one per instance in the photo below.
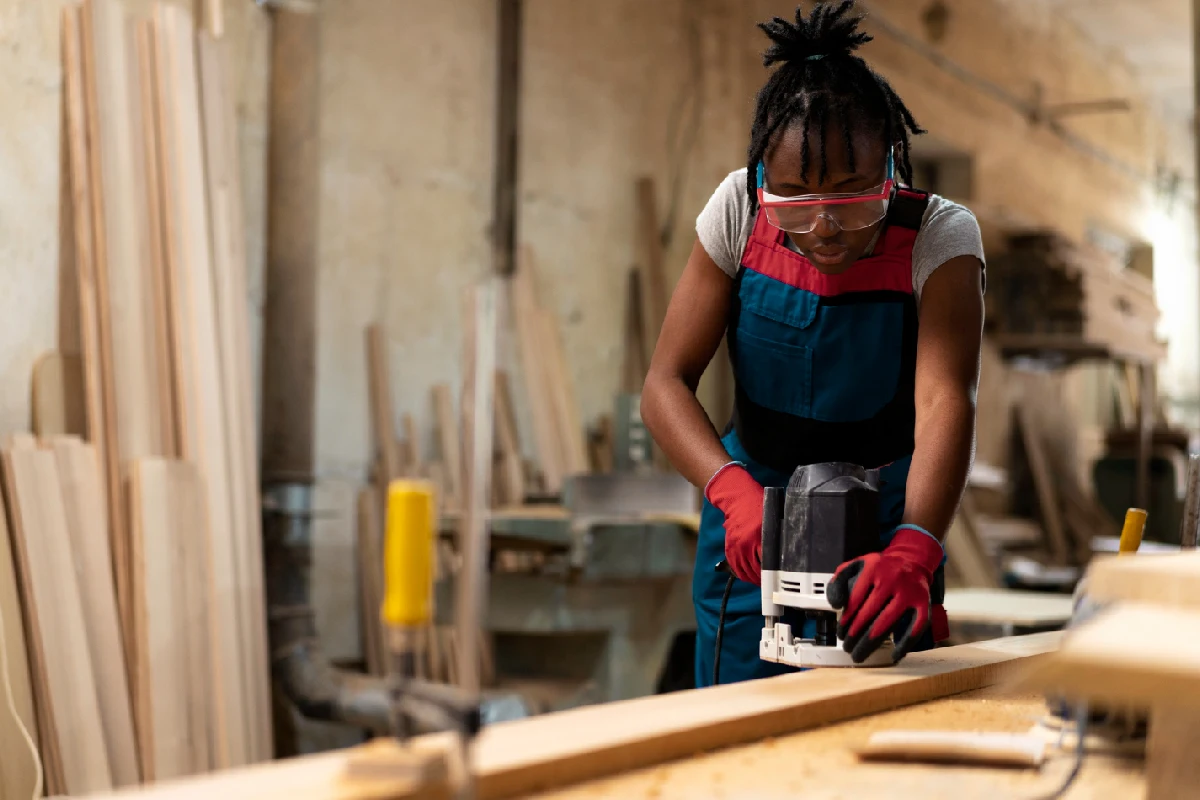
(822, 81)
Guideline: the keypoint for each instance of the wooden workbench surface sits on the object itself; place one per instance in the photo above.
(820, 764)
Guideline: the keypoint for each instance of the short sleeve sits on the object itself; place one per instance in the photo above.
(725, 224)
(948, 230)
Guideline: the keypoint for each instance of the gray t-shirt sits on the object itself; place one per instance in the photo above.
(948, 230)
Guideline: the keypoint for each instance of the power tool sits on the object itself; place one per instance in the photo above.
(827, 515)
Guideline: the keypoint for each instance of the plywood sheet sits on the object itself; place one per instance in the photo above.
(18, 767)
(175, 687)
(55, 619)
(200, 391)
(83, 501)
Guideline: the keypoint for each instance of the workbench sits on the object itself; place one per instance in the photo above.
(820, 764)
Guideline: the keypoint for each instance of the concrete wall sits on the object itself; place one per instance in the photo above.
(407, 93)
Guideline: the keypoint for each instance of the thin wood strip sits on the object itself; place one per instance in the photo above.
(55, 614)
(570, 429)
(18, 769)
(370, 557)
(1044, 484)
(451, 447)
(415, 466)
(57, 398)
(508, 442)
(533, 367)
(380, 393)
(654, 289)
(84, 500)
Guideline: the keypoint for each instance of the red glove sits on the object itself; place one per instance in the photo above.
(736, 494)
(886, 593)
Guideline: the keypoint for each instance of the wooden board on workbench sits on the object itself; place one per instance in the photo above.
(72, 732)
(83, 500)
(1166, 580)
(556, 750)
(174, 695)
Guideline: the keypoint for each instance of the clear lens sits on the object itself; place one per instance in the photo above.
(847, 216)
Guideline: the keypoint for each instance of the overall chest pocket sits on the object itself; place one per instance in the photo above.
(833, 362)
(857, 360)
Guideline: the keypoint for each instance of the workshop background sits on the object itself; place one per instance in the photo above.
(1068, 120)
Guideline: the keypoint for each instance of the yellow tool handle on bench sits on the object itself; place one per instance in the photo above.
(408, 554)
(1131, 533)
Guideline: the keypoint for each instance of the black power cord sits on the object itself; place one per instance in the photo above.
(722, 567)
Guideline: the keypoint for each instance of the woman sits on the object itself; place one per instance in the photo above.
(854, 313)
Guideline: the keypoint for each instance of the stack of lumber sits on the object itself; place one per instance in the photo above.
(1046, 286)
(162, 500)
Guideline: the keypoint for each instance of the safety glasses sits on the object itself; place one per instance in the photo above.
(849, 212)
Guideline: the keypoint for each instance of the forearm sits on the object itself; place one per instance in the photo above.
(681, 427)
(941, 459)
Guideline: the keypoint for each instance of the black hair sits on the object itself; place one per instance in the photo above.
(821, 78)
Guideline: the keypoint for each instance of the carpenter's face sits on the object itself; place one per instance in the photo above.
(830, 249)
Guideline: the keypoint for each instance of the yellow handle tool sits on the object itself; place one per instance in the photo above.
(1131, 533)
(408, 554)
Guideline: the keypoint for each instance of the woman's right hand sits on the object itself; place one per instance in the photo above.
(739, 497)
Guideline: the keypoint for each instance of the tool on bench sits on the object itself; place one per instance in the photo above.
(827, 515)
(418, 705)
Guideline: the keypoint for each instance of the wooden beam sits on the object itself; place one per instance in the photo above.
(554, 750)
(508, 113)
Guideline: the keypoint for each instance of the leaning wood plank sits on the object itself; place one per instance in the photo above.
(166, 501)
(450, 444)
(970, 559)
(540, 753)
(205, 438)
(232, 313)
(533, 370)
(118, 143)
(84, 503)
(57, 401)
(655, 292)
(380, 392)
(18, 768)
(44, 550)
(508, 443)
(1043, 481)
(570, 429)
(96, 381)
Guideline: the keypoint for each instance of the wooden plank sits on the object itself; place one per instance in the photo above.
(656, 293)
(508, 443)
(233, 314)
(157, 255)
(572, 445)
(450, 444)
(554, 750)
(1167, 580)
(412, 442)
(55, 620)
(58, 398)
(175, 684)
(19, 770)
(201, 389)
(117, 141)
(83, 500)
(533, 371)
(1008, 607)
(635, 352)
(1044, 484)
(370, 577)
(971, 562)
(1172, 770)
(380, 394)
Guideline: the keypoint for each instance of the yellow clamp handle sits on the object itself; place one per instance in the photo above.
(1131, 533)
(408, 554)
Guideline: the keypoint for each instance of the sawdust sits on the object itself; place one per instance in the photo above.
(820, 764)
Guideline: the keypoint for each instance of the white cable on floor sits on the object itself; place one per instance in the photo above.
(12, 707)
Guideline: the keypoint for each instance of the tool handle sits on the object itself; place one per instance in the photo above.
(1131, 533)
(408, 554)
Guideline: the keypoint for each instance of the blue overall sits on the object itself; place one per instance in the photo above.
(824, 370)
